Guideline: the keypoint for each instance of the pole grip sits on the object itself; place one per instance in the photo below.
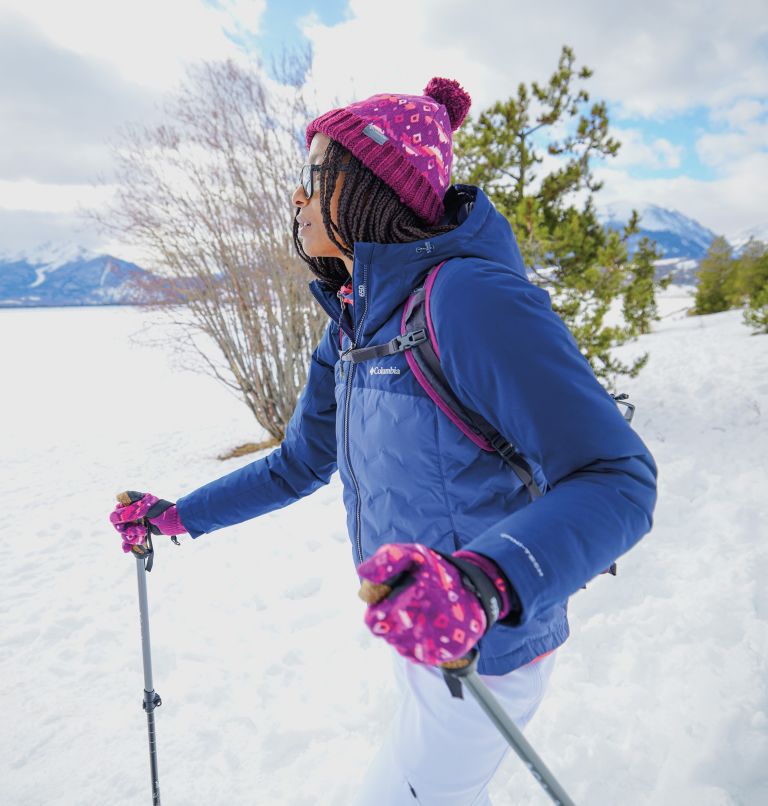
(372, 593)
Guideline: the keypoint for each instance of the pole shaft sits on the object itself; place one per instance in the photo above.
(516, 740)
(150, 697)
(146, 651)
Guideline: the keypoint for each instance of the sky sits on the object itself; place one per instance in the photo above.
(686, 86)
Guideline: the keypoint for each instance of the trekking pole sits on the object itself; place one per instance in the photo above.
(144, 557)
(465, 669)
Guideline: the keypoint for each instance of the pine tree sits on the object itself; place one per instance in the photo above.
(639, 295)
(585, 267)
(756, 312)
(751, 272)
(717, 279)
(752, 283)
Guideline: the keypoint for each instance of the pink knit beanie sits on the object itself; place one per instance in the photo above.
(404, 139)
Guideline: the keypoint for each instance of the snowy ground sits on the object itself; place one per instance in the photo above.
(273, 690)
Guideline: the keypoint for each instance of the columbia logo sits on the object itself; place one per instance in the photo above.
(384, 371)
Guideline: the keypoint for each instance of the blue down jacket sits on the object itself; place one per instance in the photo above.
(410, 475)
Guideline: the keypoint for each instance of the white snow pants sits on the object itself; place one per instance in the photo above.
(443, 751)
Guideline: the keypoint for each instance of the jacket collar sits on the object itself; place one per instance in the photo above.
(385, 274)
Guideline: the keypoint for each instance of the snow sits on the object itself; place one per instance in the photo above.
(273, 690)
(740, 239)
(50, 254)
(47, 257)
(657, 219)
(676, 263)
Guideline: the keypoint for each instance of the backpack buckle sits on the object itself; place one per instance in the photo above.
(409, 340)
(629, 408)
(503, 447)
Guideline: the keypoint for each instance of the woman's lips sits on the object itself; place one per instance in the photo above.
(303, 227)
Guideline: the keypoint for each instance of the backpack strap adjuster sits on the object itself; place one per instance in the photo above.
(503, 447)
(406, 341)
(411, 339)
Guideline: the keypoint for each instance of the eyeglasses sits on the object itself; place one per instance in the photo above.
(307, 177)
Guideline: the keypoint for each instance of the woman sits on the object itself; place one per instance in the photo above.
(446, 524)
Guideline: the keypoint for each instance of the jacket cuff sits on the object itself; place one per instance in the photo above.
(194, 533)
(169, 522)
(510, 608)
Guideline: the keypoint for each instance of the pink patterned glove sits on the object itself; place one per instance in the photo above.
(434, 611)
(137, 512)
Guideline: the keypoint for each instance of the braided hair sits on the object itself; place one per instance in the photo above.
(369, 210)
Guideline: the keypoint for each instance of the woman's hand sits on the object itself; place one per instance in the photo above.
(428, 610)
(136, 513)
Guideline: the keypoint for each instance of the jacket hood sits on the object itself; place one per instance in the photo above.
(384, 274)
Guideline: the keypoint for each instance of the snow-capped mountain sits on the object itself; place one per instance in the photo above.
(676, 235)
(682, 240)
(66, 274)
(61, 274)
(740, 239)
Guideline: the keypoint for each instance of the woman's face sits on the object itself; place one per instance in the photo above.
(314, 239)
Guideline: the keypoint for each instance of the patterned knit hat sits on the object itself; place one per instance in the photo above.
(404, 139)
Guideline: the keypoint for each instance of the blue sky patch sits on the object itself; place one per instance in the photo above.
(280, 26)
(681, 130)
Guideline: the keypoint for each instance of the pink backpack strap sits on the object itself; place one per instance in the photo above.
(424, 360)
(416, 311)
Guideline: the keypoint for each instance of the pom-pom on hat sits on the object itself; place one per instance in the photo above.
(406, 140)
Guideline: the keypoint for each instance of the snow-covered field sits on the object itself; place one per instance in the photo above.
(273, 690)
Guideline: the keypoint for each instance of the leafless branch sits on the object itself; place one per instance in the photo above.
(206, 195)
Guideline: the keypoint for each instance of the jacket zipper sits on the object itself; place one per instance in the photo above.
(330, 309)
(350, 376)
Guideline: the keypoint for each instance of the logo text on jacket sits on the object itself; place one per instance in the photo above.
(384, 371)
(528, 553)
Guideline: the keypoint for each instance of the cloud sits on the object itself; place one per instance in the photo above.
(727, 205)
(29, 195)
(146, 42)
(58, 108)
(72, 73)
(242, 15)
(653, 60)
(21, 230)
(657, 153)
(746, 132)
(741, 113)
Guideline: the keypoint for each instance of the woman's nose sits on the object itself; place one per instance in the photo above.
(299, 197)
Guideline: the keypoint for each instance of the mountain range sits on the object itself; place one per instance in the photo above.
(676, 235)
(64, 275)
(67, 274)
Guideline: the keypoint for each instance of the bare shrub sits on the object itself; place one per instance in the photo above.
(206, 197)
